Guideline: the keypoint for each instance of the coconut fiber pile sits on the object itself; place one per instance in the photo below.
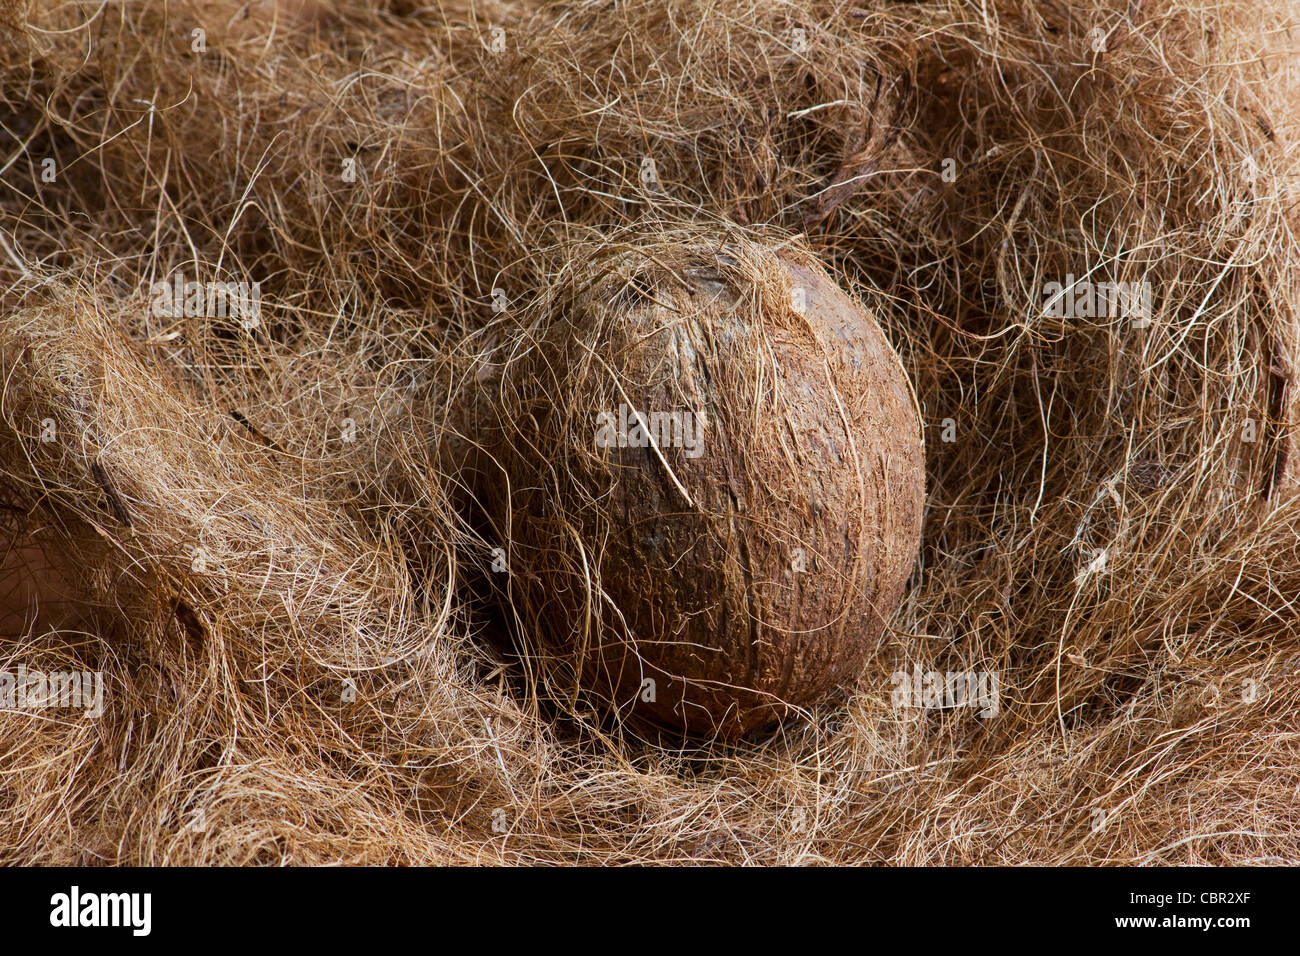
(325, 330)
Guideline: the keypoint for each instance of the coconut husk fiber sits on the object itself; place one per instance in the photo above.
(264, 535)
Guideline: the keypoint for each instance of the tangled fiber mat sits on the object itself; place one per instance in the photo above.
(258, 526)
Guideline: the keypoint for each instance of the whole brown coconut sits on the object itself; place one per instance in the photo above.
(712, 471)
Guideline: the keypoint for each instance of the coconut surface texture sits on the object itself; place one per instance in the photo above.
(715, 484)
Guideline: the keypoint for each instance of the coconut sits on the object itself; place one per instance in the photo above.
(711, 484)
(38, 592)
